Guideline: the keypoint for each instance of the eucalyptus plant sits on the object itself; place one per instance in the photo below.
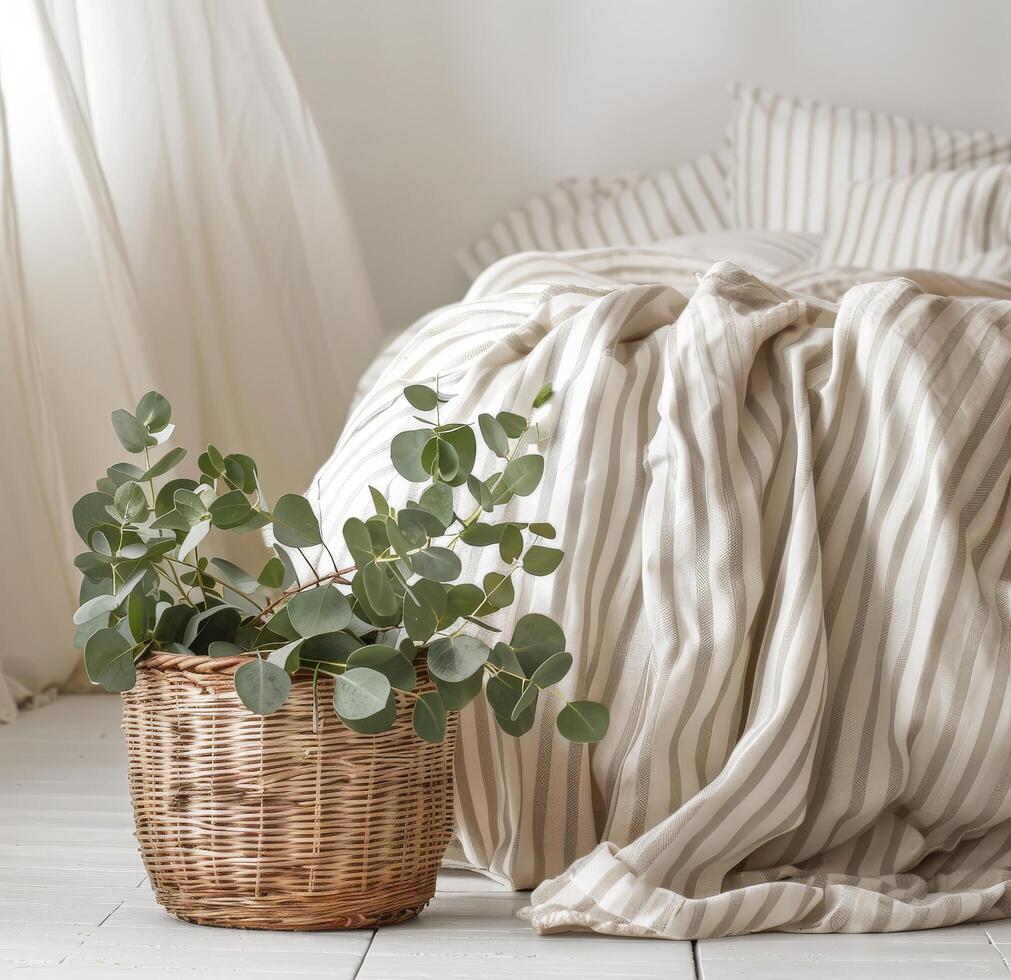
(148, 588)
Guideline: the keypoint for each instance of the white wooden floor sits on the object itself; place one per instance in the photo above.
(75, 903)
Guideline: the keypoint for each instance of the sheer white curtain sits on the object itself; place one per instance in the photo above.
(168, 220)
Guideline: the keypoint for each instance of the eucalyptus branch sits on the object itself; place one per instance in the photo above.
(411, 589)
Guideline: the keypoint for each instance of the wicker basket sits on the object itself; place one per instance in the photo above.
(258, 823)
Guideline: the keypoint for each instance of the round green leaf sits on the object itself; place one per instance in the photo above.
(439, 459)
(363, 608)
(543, 529)
(542, 561)
(456, 658)
(527, 699)
(171, 624)
(481, 491)
(165, 501)
(358, 540)
(215, 458)
(482, 535)
(217, 623)
(130, 503)
(89, 512)
(459, 694)
(154, 411)
(262, 686)
(511, 545)
(503, 693)
(240, 472)
(272, 574)
(461, 600)
(438, 564)
(505, 657)
(108, 657)
(421, 397)
(222, 648)
(514, 425)
(583, 721)
(544, 395)
(319, 610)
(520, 477)
(206, 466)
(424, 604)
(494, 435)
(189, 505)
(234, 576)
(295, 523)
(120, 473)
(172, 458)
(381, 504)
(399, 542)
(461, 438)
(230, 510)
(330, 648)
(389, 661)
(552, 670)
(499, 592)
(537, 634)
(405, 451)
(430, 717)
(418, 524)
(132, 434)
(194, 536)
(381, 721)
(360, 693)
(438, 501)
(379, 590)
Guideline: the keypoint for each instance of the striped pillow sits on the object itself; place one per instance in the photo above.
(934, 220)
(794, 158)
(627, 209)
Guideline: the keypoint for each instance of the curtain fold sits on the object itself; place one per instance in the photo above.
(169, 220)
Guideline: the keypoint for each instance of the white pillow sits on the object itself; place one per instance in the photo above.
(794, 158)
(626, 209)
(934, 220)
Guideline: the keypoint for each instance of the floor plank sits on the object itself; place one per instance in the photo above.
(75, 904)
(939, 954)
(467, 935)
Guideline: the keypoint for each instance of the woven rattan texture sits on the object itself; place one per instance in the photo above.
(259, 823)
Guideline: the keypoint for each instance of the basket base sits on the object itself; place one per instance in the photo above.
(238, 918)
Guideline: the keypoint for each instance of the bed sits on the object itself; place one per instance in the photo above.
(779, 463)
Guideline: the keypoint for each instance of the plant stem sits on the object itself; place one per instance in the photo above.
(245, 595)
(337, 576)
(147, 466)
(312, 568)
(184, 593)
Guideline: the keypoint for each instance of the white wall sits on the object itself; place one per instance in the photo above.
(441, 114)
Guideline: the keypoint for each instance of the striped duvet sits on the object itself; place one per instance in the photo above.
(788, 560)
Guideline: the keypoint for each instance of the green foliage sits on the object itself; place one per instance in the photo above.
(146, 586)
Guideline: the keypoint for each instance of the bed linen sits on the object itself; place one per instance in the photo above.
(793, 158)
(787, 574)
(941, 219)
(634, 208)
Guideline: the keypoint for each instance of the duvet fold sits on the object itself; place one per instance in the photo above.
(788, 560)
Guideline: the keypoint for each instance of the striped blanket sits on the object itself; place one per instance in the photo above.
(788, 560)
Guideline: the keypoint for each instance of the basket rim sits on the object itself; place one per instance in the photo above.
(192, 663)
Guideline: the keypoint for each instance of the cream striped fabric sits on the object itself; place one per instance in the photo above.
(787, 574)
(627, 209)
(794, 158)
(934, 220)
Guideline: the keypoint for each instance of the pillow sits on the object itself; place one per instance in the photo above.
(627, 209)
(934, 220)
(794, 158)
